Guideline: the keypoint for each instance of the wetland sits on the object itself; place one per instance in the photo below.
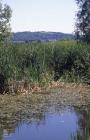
(59, 114)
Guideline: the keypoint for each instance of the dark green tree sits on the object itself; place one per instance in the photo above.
(5, 15)
(83, 20)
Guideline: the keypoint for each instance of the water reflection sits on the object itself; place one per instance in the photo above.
(46, 121)
(83, 133)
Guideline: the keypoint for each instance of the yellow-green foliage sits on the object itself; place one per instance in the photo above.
(62, 59)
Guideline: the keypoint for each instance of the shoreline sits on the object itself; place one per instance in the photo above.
(68, 95)
(65, 93)
(78, 87)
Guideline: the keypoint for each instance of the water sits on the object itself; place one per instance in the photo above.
(55, 122)
(68, 124)
(53, 127)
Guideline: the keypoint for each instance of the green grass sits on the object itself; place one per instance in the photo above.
(43, 62)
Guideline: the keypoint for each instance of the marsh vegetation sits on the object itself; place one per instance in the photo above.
(30, 64)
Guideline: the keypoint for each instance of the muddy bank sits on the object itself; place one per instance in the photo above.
(62, 95)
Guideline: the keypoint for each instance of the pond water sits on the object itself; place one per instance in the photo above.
(57, 122)
(68, 124)
(53, 127)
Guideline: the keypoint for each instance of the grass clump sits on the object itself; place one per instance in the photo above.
(43, 62)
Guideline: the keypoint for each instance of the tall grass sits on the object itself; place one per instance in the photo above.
(42, 62)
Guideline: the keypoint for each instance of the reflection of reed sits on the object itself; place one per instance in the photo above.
(15, 110)
(1, 133)
(83, 132)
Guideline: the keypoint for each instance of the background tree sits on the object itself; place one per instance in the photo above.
(5, 15)
(83, 20)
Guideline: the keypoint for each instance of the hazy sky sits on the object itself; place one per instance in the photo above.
(43, 15)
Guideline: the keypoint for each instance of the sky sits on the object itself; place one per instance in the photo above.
(42, 15)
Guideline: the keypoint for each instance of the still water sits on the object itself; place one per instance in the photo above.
(54, 127)
(55, 123)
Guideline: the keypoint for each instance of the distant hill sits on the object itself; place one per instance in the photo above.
(40, 36)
